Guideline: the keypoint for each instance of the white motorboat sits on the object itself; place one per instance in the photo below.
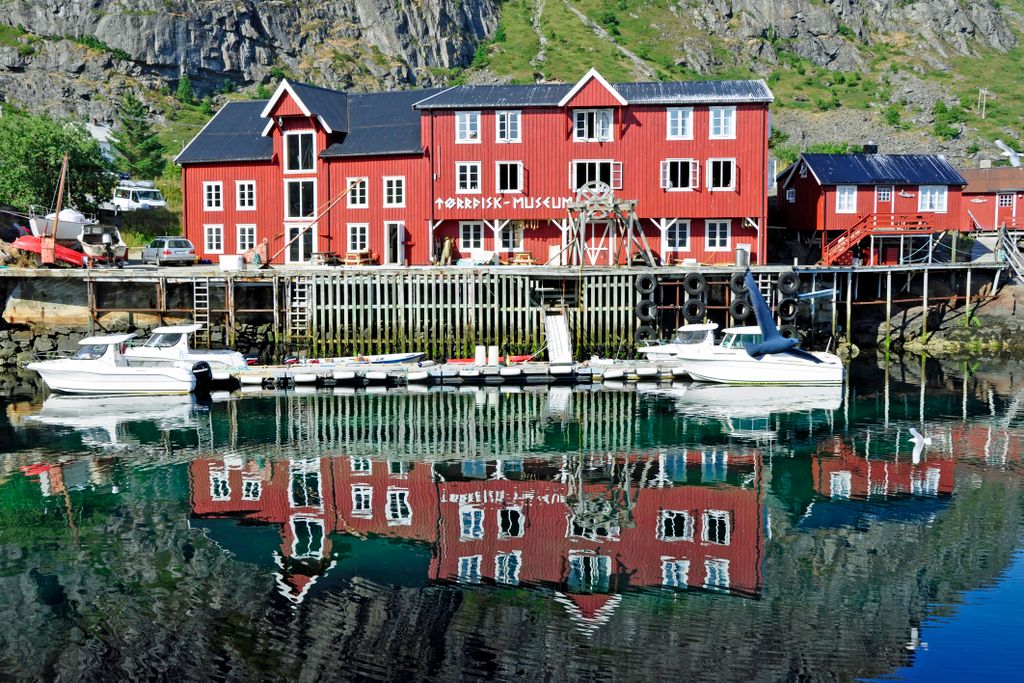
(733, 365)
(102, 243)
(69, 223)
(171, 343)
(101, 418)
(100, 367)
(689, 340)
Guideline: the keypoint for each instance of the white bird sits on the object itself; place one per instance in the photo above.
(1009, 152)
(920, 441)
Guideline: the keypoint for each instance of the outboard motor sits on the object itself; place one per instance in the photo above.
(204, 377)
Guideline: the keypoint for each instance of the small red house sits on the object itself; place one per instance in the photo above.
(889, 198)
(993, 198)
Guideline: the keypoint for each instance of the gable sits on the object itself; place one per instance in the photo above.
(593, 91)
(287, 106)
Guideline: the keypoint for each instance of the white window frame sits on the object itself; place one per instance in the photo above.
(287, 185)
(879, 199)
(1000, 196)
(362, 501)
(677, 223)
(683, 126)
(395, 519)
(220, 485)
(470, 569)
(522, 522)
(474, 530)
(250, 189)
(294, 134)
(720, 515)
(208, 204)
(463, 247)
(842, 206)
(351, 230)
(934, 192)
(479, 177)
(207, 228)
(707, 235)
(675, 572)
(726, 124)
(615, 171)
(240, 244)
(598, 134)
(692, 175)
(790, 195)
(356, 465)
(720, 568)
(252, 489)
(497, 176)
(711, 176)
(467, 128)
(840, 484)
(501, 573)
(308, 522)
(303, 467)
(351, 199)
(689, 524)
(518, 237)
(394, 196)
(504, 118)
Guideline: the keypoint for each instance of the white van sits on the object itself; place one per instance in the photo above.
(134, 195)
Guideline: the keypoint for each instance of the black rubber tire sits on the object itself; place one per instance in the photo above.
(536, 299)
(738, 283)
(646, 310)
(646, 283)
(694, 310)
(788, 283)
(789, 332)
(646, 333)
(740, 308)
(787, 309)
(694, 283)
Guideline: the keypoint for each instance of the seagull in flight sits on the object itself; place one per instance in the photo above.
(920, 441)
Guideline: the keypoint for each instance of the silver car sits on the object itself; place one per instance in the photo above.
(167, 250)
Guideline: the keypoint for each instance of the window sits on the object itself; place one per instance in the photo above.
(714, 465)
(512, 237)
(301, 196)
(592, 125)
(1004, 200)
(358, 193)
(803, 170)
(245, 237)
(213, 196)
(588, 573)
(510, 523)
(398, 512)
(213, 239)
(309, 537)
(358, 237)
(469, 569)
(928, 485)
(677, 236)
(394, 191)
(304, 483)
(846, 199)
(220, 487)
(252, 489)
(675, 573)
(510, 176)
(716, 527)
(717, 235)
(791, 195)
(680, 123)
(932, 198)
(467, 127)
(298, 152)
(840, 484)
(883, 194)
(471, 524)
(721, 174)
(361, 466)
(362, 501)
(245, 195)
(583, 172)
(507, 126)
(467, 177)
(471, 236)
(675, 525)
(723, 123)
(680, 174)
(398, 469)
(716, 574)
(506, 567)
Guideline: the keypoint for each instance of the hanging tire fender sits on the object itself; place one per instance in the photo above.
(694, 283)
(646, 333)
(739, 308)
(787, 309)
(788, 282)
(694, 310)
(789, 331)
(646, 283)
(646, 310)
(738, 283)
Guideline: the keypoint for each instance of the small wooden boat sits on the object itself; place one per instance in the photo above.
(102, 243)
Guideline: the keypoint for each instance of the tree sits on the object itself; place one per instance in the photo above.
(141, 153)
(31, 151)
(185, 94)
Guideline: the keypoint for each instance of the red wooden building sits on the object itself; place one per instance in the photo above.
(871, 204)
(993, 198)
(490, 168)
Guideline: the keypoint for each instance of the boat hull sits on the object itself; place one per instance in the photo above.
(150, 380)
(740, 368)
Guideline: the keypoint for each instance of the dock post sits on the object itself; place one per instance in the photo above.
(835, 282)
(849, 307)
(814, 308)
(967, 295)
(888, 313)
(924, 307)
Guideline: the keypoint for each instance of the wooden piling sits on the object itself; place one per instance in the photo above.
(888, 312)
(849, 307)
(924, 307)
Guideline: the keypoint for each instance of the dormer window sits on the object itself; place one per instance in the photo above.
(592, 125)
(298, 152)
(467, 127)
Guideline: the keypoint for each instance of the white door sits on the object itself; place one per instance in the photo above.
(300, 248)
(394, 243)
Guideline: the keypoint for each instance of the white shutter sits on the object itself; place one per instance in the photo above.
(735, 177)
(616, 175)
(694, 174)
(664, 174)
(708, 174)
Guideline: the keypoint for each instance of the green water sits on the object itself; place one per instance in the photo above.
(686, 532)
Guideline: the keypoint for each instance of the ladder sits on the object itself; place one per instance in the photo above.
(299, 308)
(201, 310)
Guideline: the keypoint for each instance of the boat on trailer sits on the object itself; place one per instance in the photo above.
(171, 343)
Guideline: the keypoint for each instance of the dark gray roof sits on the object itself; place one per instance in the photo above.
(882, 169)
(549, 95)
(381, 123)
(330, 105)
(235, 133)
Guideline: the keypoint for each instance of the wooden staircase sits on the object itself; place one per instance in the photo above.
(1011, 253)
(890, 224)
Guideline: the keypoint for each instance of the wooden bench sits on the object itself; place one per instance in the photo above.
(360, 258)
(523, 258)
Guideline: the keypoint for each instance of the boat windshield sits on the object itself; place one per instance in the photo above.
(690, 337)
(163, 341)
(90, 352)
(740, 341)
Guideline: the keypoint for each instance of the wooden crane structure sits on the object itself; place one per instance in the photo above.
(603, 228)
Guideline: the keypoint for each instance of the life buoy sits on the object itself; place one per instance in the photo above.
(787, 309)
(789, 282)
(694, 283)
(646, 333)
(789, 332)
(694, 310)
(738, 283)
(646, 310)
(646, 283)
(739, 308)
